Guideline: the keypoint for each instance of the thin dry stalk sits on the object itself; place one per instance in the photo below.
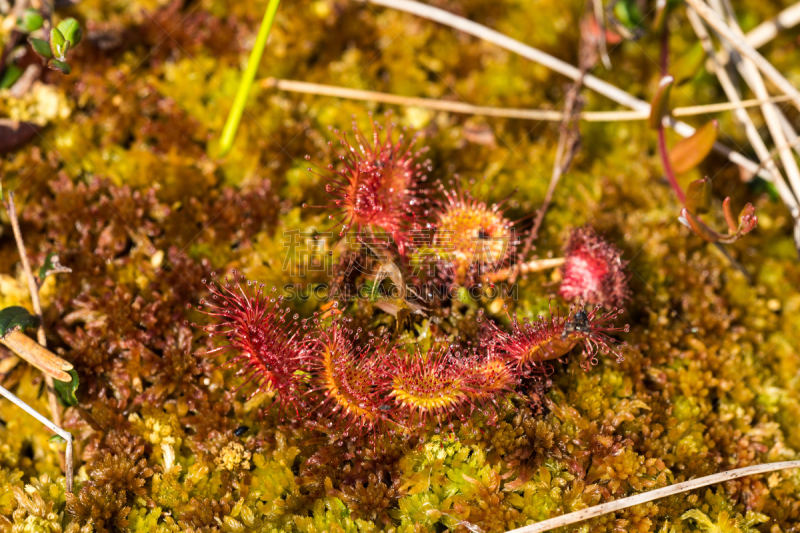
(751, 131)
(770, 111)
(536, 265)
(546, 115)
(66, 435)
(33, 287)
(747, 51)
(791, 135)
(602, 45)
(568, 142)
(602, 87)
(624, 503)
(695, 110)
(769, 29)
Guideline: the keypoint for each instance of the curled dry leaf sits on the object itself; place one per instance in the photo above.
(15, 134)
(37, 355)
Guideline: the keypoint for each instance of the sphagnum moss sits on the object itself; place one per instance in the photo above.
(120, 187)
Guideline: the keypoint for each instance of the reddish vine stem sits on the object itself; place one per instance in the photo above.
(662, 136)
(673, 181)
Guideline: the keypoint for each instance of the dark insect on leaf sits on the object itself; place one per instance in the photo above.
(66, 390)
(15, 318)
(241, 430)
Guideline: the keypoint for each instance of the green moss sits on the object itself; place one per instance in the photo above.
(125, 185)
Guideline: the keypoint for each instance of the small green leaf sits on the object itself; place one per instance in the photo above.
(659, 107)
(688, 65)
(41, 47)
(66, 389)
(52, 265)
(15, 318)
(628, 13)
(58, 44)
(60, 66)
(58, 439)
(30, 21)
(10, 76)
(689, 152)
(698, 196)
(71, 31)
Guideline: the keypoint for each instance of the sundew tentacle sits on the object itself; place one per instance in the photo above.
(593, 270)
(348, 382)
(471, 237)
(433, 385)
(264, 341)
(379, 184)
(532, 343)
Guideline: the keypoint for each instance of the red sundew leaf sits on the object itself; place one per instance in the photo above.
(690, 152)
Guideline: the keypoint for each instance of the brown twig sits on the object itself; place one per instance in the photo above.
(33, 287)
(566, 136)
(568, 143)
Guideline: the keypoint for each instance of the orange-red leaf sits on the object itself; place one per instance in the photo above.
(689, 152)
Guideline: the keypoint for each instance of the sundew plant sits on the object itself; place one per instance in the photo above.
(399, 266)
